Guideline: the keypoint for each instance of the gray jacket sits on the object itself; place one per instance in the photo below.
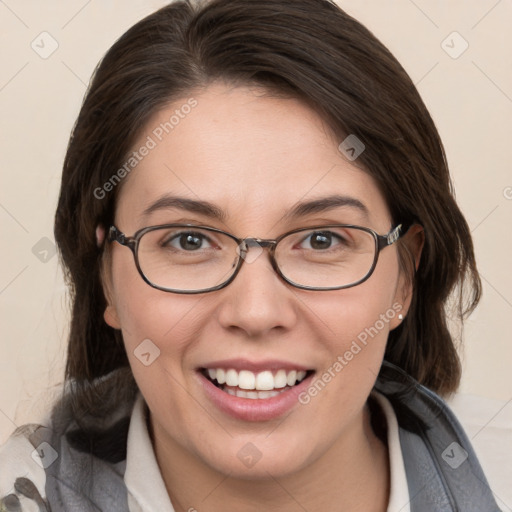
(443, 473)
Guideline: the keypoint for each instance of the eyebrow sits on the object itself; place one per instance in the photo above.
(182, 203)
(301, 209)
(324, 204)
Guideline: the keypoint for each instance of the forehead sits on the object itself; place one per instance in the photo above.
(252, 155)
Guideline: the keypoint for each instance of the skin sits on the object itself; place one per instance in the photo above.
(255, 157)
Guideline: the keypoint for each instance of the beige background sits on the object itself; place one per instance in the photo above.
(470, 99)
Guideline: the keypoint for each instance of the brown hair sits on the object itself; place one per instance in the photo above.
(308, 49)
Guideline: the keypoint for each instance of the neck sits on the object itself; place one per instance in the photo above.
(352, 475)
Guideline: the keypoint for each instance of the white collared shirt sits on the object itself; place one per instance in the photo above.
(147, 491)
(399, 500)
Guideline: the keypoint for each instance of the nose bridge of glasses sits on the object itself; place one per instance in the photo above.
(247, 243)
(257, 245)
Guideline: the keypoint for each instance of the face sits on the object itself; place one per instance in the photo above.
(254, 158)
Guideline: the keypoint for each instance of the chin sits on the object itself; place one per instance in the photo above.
(254, 460)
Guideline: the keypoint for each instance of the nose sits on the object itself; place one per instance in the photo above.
(257, 302)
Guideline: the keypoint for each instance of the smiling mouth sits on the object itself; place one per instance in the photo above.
(261, 385)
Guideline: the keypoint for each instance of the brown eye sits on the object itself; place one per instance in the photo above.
(321, 240)
(187, 241)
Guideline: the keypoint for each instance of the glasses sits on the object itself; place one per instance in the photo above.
(185, 258)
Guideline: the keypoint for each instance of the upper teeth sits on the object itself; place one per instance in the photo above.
(262, 381)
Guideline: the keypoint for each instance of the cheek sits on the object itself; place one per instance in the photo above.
(163, 323)
(355, 327)
(355, 324)
(159, 330)
(170, 321)
(363, 312)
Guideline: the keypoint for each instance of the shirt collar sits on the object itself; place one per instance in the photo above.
(399, 500)
(144, 482)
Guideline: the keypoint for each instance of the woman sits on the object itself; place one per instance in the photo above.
(257, 224)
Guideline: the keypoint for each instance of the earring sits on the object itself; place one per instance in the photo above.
(400, 317)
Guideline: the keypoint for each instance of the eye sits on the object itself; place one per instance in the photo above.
(188, 241)
(322, 240)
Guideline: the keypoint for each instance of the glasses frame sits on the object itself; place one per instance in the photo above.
(132, 242)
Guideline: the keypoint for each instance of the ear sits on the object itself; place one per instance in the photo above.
(111, 317)
(110, 314)
(100, 235)
(413, 241)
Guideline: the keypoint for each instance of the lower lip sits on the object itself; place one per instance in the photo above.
(247, 409)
